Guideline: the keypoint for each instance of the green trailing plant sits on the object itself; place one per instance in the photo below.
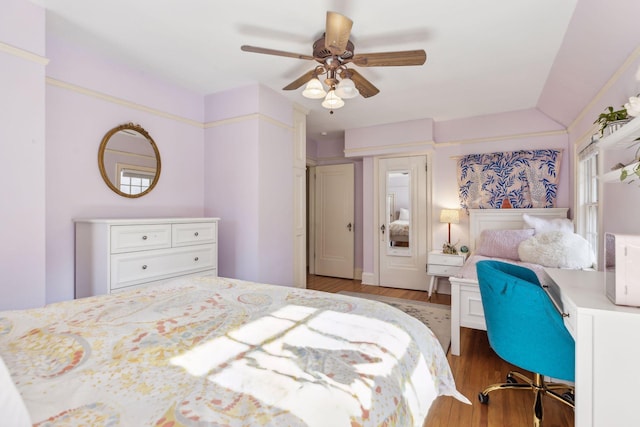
(635, 171)
(610, 115)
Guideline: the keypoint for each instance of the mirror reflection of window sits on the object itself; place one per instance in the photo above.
(399, 225)
(135, 181)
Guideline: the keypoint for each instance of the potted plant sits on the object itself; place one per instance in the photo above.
(633, 172)
(612, 119)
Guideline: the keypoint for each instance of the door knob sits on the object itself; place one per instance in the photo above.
(349, 226)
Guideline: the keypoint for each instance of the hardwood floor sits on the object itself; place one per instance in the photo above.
(477, 367)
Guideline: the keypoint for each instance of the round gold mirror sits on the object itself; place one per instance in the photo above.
(129, 160)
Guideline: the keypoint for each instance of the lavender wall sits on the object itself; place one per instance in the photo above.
(249, 182)
(76, 123)
(22, 150)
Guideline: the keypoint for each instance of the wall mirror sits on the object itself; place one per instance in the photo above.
(129, 160)
(398, 210)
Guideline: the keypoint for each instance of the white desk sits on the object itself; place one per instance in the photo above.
(607, 349)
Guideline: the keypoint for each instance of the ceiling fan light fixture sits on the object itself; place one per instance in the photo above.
(346, 89)
(332, 101)
(314, 89)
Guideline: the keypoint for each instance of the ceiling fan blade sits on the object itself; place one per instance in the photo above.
(390, 59)
(300, 80)
(337, 32)
(364, 86)
(266, 51)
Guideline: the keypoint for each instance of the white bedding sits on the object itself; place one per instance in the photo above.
(399, 227)
(468, 270)
(221, 352)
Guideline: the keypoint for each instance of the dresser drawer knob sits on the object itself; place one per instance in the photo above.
(144, 237)
(144, 267)
(196, 259)
(195, 234)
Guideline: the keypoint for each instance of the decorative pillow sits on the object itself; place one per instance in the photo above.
(557, 249)
(404, 214)
(14, 412)
(543, 225)
(502, 243)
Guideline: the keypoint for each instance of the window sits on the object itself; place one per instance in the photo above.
(135, 181)
(587, 191)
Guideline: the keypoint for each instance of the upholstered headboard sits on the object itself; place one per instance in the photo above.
(503, 219)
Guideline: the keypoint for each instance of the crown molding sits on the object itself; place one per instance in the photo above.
(253, 116)
(24, 54)
(95, 94)
(503, 138)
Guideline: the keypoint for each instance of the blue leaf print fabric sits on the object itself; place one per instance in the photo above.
(526, 179)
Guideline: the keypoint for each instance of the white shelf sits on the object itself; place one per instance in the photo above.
(614, 175)
(622, 138)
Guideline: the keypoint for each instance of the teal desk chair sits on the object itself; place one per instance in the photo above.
(526, 330)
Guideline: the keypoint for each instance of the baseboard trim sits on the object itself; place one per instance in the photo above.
(357, 274)
(369, 279)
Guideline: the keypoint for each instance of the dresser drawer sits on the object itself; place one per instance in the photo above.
(129, 238)
(445, 259)
(442, 270)
(140, 267)
(193, 233)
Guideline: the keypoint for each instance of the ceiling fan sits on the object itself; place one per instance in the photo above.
(333, 51)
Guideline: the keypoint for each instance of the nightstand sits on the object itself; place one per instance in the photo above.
(442, 265)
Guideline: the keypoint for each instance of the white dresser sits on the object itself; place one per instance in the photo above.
(118, 254)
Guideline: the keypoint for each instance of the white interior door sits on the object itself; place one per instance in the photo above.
(334, 248)
(402, 216)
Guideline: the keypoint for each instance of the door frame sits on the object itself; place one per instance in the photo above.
(376, 203)
(311, 217)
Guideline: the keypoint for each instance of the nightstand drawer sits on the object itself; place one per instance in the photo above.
(446, 259)
(442, 270)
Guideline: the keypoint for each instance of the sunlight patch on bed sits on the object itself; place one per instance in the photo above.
(284, 358)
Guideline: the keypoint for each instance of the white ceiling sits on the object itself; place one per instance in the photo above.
(483, 57)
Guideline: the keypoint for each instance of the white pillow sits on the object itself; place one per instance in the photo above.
(404, 214)
(13, 412)
(542, 225)
(557, 249)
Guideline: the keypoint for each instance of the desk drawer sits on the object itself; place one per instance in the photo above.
(193, 233)
(130, 238)
(442, 270)
(140, 267)
(445, 259)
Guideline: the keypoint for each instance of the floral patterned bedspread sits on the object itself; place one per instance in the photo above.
(211, 351)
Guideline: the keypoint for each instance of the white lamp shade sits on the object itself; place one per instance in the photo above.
(332, 101)
(314, 89)
(346, 89)
(451, 216)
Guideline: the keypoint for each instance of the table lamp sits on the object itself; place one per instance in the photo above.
(450, 216)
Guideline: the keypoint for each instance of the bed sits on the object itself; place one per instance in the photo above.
(221, 352)
(399, 229)
(466, 304)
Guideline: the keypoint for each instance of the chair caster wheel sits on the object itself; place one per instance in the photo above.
(570, 397)
(483, 398)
